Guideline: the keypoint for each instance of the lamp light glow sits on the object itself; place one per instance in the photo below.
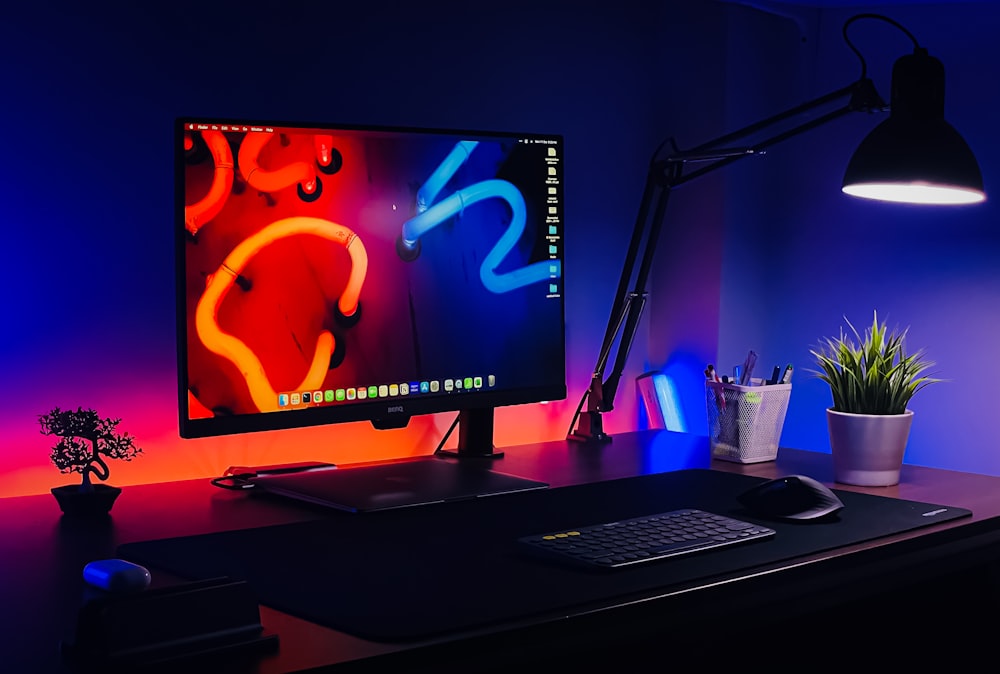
(915, 193)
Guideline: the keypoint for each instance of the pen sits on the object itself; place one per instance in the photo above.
(713, 376)
(748, 367)
(786, 378)
(774, 375)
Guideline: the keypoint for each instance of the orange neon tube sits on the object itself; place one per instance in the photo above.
(218, 284)
(278, 179)
(198, 214)
(324, 149)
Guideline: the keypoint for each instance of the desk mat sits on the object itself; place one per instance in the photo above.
(418, 572)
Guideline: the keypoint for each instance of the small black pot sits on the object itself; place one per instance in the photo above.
(73, 501)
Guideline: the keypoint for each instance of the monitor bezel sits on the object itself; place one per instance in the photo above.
(383, 414)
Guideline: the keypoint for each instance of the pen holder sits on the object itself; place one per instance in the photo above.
(744, 422)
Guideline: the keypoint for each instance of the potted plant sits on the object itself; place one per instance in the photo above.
(85, 439)
(872, 379)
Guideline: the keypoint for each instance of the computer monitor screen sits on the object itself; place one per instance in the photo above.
(334, 273)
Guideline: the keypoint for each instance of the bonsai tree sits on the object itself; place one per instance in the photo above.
(84, 440)
(871, 373)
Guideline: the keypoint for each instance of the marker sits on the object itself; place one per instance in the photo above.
(748, 367)
(787, 377)
(713, 376)
(774, 375)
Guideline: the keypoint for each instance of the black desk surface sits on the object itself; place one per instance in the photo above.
(42, 555)
(427, 572)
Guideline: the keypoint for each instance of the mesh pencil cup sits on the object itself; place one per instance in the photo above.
(744, 422)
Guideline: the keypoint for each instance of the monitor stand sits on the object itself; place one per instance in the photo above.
(475, 435)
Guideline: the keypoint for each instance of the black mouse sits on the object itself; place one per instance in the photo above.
(792, 497)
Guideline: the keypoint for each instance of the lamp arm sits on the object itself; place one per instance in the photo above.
(862, 98)
(662, 176)
(779, 117)
(622, 295)
(758, 148)
(637, 301)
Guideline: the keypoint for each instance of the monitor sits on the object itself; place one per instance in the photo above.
(333, 273)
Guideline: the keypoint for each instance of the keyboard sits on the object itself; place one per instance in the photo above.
(644, 539)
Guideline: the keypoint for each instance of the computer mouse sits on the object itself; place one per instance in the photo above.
(792, 497)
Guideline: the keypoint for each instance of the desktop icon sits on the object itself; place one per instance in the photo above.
(393, 390)
(467, 382)
(340, 395)
(458, 383)
(404, 389)
(296, 399)
(362, 393)
(435, 386)
(317, 396)
(553, 230)
(553, 288)
(282, 400)
(449, 385)
(352, 393)
(383, 391)
(425, 387)
(477, 382)
(328, 395)
(553, 250)
(374, 392)
(492, 380)
(552, 151)
(307, 397)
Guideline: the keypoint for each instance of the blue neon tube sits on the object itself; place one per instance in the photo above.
(420, 224)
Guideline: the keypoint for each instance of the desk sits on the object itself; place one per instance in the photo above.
(890, 589)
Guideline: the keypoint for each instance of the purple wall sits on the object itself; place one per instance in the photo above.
(87, 263)
(87, 186)
(799, 255)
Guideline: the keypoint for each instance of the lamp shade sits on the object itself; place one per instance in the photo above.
(915, 156)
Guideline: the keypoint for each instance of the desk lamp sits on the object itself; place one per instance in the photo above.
(914, 156)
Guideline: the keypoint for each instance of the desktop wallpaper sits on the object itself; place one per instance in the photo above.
(765, 254)
(324, 264)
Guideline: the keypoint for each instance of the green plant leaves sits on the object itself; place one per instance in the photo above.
(871, 373)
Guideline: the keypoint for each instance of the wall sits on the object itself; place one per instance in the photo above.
(87, 262)
(87, 186)
(683, 307)
(800, 256)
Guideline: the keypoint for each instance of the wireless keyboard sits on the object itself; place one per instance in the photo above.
(644, 539)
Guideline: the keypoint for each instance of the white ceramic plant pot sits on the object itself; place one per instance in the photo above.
(868, 448)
